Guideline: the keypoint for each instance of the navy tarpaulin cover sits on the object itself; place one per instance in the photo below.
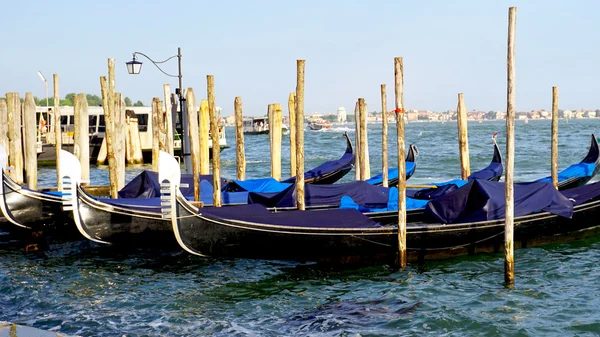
(393, 174)
(146, 185)
(325, 195)
(392, 205)
(491, 171)
(574, 171)
(332, 218)
(581, 194)
(142, 204)
(344, 163)
(267, 185)
(482, 200)
(227, 198)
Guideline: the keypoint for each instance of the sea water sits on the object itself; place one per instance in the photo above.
(91, 290)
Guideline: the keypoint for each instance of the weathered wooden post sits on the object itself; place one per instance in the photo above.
(204, 133)
(292, 131)
(275, 131)
(103, 154)
(357, 122)
(214, 133)
(194, 140)
(81, 140)
(4, 126)
(133, 143)
(365, 119)
(362, 139)
(108, 96)
(240, 157)
(554, 149)
(29, 140)
(15, 150)
(300, 65)
(509, 262)
(168, 120)
(156, 132)
(463, 138)
(57, 131)
(119, 121)
(384, 137)
(399, 98)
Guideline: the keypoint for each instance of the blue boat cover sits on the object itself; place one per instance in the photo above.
(392, 205)
(574, 171)
(482, 200)
(325, 195)
(344, 163)
(393, 174)
(227, 198)
(146, 185)
(581, 194)
(332, 218)
(491, 171)
(267, 185)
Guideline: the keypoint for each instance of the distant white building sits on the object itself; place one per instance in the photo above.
(341, 115)
(567, 114)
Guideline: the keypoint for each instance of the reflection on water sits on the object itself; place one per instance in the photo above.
(91, 290)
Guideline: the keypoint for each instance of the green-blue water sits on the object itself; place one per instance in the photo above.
(80, 288)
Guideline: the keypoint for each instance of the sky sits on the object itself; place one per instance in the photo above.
(251, 48)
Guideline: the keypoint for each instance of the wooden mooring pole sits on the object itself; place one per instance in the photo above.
(365, 150)
(155, 133)
(214, 133)
(119, 122)
(384, 137)
(509, 262)
(554, 149)
(192, 110)
(168, 120)
(204, 133)
(240, 156)
(81, 139)
(300, 66)
(29, 141)
(275, 131)
(463, 138)
(399, 102)
(15, 149)
(362, 139)
(57, 130)
(357, 121)
(292, 131)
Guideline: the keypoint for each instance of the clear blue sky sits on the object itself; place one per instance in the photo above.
(251, 48)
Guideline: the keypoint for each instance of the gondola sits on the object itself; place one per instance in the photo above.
(348, 236)
(411, 166)
(331, 171)
(31, 212)
(579, 174)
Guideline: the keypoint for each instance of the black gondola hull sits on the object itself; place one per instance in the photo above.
(225, 238)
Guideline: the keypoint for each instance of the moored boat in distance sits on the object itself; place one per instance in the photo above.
(320, 124)
(259, 126)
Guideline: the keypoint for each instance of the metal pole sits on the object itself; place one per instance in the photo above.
(185, 144)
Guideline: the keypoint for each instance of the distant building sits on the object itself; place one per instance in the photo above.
(341, 115)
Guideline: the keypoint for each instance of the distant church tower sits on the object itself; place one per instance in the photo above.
(341, 115)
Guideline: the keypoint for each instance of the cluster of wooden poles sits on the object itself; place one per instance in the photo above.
(12, 113)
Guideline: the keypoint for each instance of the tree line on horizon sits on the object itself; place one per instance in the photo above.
(93, 100)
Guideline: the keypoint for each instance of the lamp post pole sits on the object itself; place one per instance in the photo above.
(185, 144)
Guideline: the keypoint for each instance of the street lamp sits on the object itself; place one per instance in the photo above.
(134, 67)
(46, 82)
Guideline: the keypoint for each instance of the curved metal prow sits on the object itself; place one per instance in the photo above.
(349, 148)
(413, 152)
(497, 155)
(70, 169)
(3, 158)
